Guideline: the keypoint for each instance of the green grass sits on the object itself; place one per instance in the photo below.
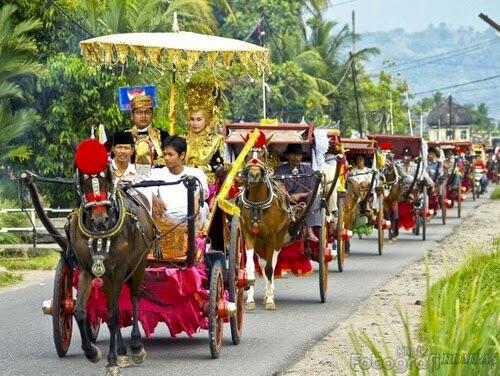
(495, 195)
(12, 220)
(7, 278)
(43, 262)
(462, 317)
(460, 326)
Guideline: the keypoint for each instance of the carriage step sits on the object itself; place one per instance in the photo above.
(47, 307)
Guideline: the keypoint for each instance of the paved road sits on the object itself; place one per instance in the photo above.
(272, 340)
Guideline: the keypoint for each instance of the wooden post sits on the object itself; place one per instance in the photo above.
(390, 109)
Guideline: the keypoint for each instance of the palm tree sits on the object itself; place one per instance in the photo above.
(128, 16)
(16, 54)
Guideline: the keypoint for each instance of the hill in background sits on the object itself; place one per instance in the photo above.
(463, 55)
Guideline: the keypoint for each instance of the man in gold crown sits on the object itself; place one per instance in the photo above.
(205, 146)
(147, 138)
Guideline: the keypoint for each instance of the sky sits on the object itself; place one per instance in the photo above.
(413, 15)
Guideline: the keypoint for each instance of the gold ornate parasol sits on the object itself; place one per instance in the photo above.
(178, 51)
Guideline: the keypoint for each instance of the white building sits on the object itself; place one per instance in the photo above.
(449, 121)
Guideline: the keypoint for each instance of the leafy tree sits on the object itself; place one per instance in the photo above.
(16, 68)
(377, 98)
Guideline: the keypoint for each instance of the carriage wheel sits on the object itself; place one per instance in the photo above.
(215, 320)
(62, 307)
(380, 227)
(425, 206)
(236, 264)
(323, 264)
(341, 243)
(459, 199)
(444, 209)
(93, 329)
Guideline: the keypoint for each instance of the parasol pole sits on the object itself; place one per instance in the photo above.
(173, 87)
(171, 105)
(264, 110)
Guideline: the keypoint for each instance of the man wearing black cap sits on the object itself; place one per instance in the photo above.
(122, 150)
(434, 167)
(299, 188)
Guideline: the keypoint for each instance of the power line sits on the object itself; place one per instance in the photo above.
(341, 3)
(54, 3)
(438, 57)
(457, 85)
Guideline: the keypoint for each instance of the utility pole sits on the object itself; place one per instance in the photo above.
(353, 34)
(391, 113)
(409, 114)
(489, 21)
(353, 73)
(449, 132)
(421, 125)
(262, 42)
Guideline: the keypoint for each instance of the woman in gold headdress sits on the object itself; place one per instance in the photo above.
(205, 146)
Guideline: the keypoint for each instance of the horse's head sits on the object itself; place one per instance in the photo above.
(94, 180)
(98, 197)
(254, 172)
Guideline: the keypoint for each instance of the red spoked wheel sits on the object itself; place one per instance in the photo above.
(459, 199)
(380, 224)
(62, 307)
(341, 242)
(215, 318)
(323, 259)
(444, 208)
(425, 208)
(235, 288)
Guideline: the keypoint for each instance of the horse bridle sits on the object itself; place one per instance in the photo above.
(256, 208)
(96, 198)
(99, 242)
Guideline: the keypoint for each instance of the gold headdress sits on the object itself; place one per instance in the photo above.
(201, 97)
(141, 101)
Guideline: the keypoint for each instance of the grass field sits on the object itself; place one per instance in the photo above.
(46, 261)
(8, 278)
(460, 325)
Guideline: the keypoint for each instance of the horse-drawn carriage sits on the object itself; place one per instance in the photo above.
(272, 217)
(437, 195)
(192, 279)
(453, 168)
(361, 206)
(406, 196)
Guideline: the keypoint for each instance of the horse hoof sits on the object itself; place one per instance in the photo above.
(113, 371)
(270, 306)
(95, 354)
(250, 306)
(139, 356)
(122, 361)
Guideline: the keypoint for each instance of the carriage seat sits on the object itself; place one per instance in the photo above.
(173, 241)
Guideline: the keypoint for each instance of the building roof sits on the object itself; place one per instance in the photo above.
(459, 114)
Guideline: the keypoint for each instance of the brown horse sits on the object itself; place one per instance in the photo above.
(110, 236)
(265, 222)
(356, 194)
(394, 183)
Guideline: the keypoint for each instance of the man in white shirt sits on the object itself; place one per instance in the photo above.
(122, 150)
(171, 200)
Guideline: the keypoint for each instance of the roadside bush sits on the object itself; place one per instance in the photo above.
(12, 220)
(495, 195)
